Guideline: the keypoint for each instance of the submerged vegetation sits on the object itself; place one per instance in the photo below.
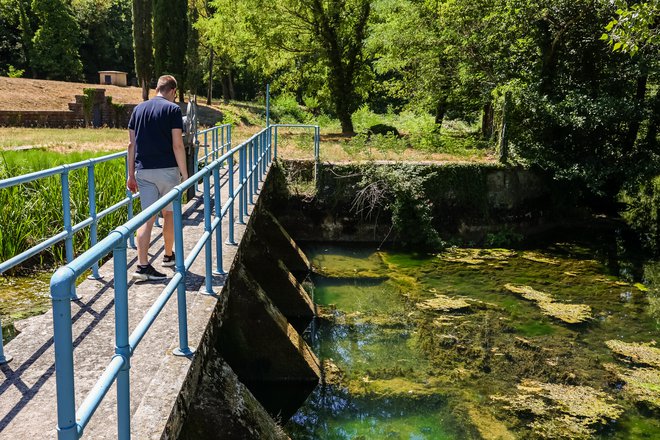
(436, 346)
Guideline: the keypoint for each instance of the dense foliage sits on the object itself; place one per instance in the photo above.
(570, 86)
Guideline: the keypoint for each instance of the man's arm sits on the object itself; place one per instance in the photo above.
(131, 183)
(179, 151)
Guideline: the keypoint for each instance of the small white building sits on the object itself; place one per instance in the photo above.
(112, 77)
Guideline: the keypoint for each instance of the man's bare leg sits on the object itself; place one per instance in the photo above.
(143, 240)
(168, 231)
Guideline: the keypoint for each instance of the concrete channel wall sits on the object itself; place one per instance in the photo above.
(467, 201)
(253, 362)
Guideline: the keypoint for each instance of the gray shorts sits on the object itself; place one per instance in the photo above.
(155, 183)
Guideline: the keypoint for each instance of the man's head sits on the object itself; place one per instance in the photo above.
(166, 87)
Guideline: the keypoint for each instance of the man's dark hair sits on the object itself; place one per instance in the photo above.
(166, 83)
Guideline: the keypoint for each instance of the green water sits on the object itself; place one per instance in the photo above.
(21, 297)
(436, 347)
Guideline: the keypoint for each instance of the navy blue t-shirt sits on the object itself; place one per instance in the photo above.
(153, 121)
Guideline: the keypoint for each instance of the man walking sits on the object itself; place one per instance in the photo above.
(156, 164)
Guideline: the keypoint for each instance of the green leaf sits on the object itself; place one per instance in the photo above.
(617, 46)
(605, 36)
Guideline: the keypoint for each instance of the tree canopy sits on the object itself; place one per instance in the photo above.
(568, 86)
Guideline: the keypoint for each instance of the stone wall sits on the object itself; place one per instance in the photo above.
(91, 109)
(467, 201)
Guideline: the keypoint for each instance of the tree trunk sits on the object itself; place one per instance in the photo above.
(633, 128)
(142, 44)
(487, 120)
(209, 91)
(230, 85)
(343, 106)
(145, 89)
(225, 88)
(654, 122)
(440, 110)
(26, 37)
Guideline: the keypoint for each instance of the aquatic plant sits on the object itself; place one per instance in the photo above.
(443, 303)
(561, 411)
(640, 384)
(643, 354)
(568, 313)
(494, 257)
(539, 258)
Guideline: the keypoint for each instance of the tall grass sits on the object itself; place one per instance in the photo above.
(32, 212)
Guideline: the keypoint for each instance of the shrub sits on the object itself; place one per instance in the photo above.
(285, 109)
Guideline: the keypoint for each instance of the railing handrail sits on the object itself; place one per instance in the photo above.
(249, 162)
(25, 178)
(254, 156)
(92, 220)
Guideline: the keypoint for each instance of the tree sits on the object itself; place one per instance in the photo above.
(193, 63)
(55, 44)
(170, 39)
(332, 32)
(142, 44)
(106, 35)
(578, 111)
(636, 27)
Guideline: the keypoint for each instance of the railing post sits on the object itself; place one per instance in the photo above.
(270, 145)
(206, 148)
(218, 214)
(93, 232)
(183, 349)
(3, 358)
(317, 155)
(207, 228)
(232, 200)
(217, 143)
(275, 147)
(60, 293)
(122, 347)
(66, 211)
(246, 177)
(262, 157)
(129, 194)
(250, 171)
(222, 141)
(241, 184)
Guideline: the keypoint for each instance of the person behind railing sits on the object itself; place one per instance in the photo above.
(156, 164)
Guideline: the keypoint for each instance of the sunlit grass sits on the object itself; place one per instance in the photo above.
(419, 139)
(64, 139)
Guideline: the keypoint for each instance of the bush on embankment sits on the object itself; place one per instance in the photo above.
(643, 213)
(32, 212)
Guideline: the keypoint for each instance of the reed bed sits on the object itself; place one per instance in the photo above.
(32, 212)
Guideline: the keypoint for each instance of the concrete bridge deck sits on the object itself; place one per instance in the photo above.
(27, 390)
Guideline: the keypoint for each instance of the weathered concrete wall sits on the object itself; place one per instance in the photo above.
(254, 363)
(467, 201)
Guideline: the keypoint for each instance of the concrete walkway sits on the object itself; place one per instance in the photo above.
(27, 391)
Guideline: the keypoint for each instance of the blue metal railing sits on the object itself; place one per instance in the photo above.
(242, 179)
(220, 142)
(317, 143)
